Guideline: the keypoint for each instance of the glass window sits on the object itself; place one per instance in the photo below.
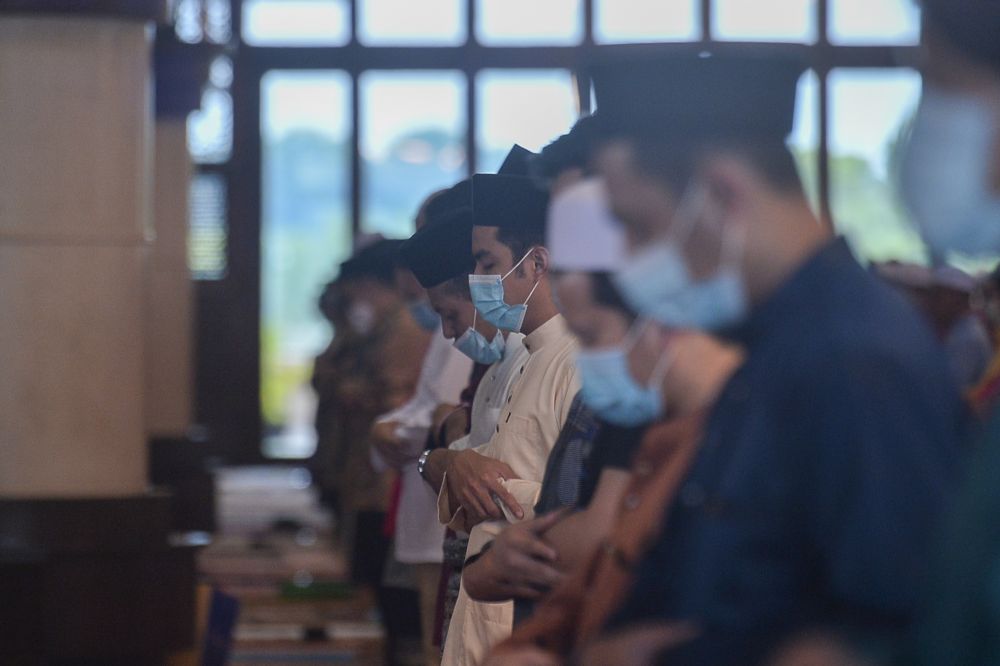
(530, 107)
(765, 20)
(207, 229)
(296, 22)
(804, 139)
(624, 21)
(869, 109)
(874, 22)
(412, 22)
(210, 127)
(412, 143)
(305, 234)
(529, 22)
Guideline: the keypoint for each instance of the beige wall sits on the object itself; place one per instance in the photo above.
(75, 136)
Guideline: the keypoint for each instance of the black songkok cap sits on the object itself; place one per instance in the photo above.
(441, 250)
(455, 197)
(972, 26)
(377, 261)
(696, 98)
(508, 202)
(516, 162)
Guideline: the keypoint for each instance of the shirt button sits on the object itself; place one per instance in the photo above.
(692, 495)
(508, 398)
(521, 371)
(498, 428)
(631, 501)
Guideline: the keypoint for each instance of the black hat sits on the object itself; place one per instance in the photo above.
(441, 250)
(516, 162)
(972, 26)
(457, 196)
(697, 97)
(509, 202)
(377, 261)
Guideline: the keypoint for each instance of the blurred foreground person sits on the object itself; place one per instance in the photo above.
(399, 437)
(829, 455)
(634, 375)
(951, 183)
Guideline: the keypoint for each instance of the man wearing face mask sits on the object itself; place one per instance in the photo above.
(400, 435)
(439, 256)
(510, 289)
(831, 452)
(588, 449)
(386, 366)
(951, 184)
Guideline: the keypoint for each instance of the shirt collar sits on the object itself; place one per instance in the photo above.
(794, 294)
(550, 331)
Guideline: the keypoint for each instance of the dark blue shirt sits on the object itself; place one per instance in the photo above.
(825, 464)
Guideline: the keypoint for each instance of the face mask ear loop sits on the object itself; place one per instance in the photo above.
(514, 267)
(686, 213)
(733, 244)
(635, 332)
(662, 367)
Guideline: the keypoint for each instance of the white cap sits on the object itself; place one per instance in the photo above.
(582, 235)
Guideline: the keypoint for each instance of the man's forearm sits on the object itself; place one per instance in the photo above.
(435, 467)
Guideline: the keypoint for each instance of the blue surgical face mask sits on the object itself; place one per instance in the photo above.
(473, 344)
(945, 172)
(608, 388)
(424, 315)
(656, 281)
(487, 296)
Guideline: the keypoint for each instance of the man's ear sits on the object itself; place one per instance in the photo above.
(730, 188)
(539, 261)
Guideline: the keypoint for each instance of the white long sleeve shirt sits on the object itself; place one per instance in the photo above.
(443, 375)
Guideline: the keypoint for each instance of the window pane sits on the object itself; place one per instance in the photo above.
(437, 22)
(412, 143)
(210, 127)
(207, 229)
(804, 139)
(305, 233)
(868, 110)
(529, 107)
(874, 22)
(765, 20)
(528, 22)
(296, 22)
(622, 21)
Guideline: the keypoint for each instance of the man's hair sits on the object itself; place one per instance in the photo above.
(605, 293)
(520, 240)
(456, 286)
(569, 151)
(675, 163)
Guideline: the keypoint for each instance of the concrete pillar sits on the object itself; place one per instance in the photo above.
(76, 135)
(168, 322)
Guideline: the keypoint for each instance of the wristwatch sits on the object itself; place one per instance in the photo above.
(422, 462)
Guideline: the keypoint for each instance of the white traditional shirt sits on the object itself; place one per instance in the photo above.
(536, 408)
(443, 376)
(491, 394)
